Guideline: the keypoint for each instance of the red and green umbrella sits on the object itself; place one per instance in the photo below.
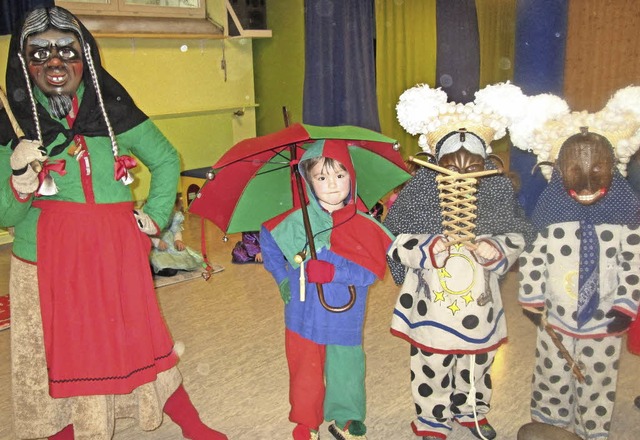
(254, 180)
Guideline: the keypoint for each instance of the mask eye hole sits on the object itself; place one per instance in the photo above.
(41, 55)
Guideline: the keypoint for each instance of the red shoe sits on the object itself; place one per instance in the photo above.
(301, 432)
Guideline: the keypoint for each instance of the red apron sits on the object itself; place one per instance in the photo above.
(103, 330)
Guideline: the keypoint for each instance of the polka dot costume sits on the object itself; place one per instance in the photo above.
(449, 306)
(586, 408)
(437, 404)
(450, 310)
(417, 210)
(549, 274)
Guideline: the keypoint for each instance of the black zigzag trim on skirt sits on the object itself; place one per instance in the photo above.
(126, 376)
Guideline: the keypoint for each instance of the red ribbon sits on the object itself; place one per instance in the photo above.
(123, 163)
(52, 165)
(48, 166)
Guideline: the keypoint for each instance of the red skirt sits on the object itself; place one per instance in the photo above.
(103, 330)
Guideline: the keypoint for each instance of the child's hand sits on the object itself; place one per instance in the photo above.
(487, 251)
(258, 257)
(440, 246)
(319, 271)
(162, 245)
(179, 245)
(285, 290)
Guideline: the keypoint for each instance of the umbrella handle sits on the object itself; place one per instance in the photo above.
(344, 308)
(312, 246)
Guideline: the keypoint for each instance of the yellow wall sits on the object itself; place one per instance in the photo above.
(184, 92)
(279, 66)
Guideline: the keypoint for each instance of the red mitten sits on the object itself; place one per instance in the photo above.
(319, 271)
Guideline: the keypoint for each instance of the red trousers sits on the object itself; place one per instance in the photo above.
(306, 380)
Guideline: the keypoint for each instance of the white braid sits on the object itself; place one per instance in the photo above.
(94, 77)
(34, 108)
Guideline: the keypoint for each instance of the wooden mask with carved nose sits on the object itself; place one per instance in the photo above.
(586, 163)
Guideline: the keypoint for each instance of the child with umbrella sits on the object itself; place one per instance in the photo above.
(324, 346)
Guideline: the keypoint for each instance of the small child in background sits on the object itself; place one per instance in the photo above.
(324, 348)
(169, 253)
(248, 249)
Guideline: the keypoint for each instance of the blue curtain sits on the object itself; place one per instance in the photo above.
(339, 81)
(12, 12)
(541, 33)
(458, 59)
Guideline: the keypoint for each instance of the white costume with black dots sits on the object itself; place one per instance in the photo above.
(450, 310)
(549, 278)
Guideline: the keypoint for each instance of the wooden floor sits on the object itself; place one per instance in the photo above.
(231, 328)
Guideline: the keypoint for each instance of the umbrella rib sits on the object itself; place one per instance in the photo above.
(271, 170)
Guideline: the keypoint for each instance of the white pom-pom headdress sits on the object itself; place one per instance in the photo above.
(545, 122)
(425, 111)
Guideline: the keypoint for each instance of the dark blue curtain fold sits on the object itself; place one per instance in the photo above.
(541, 33)
(12, 12)
(458, 56)
(339, 82)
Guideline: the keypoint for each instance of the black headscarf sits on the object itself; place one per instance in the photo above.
(123, 114)
(417, 210)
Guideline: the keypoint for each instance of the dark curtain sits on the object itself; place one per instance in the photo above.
(12, 12)
(458, 60)
(541, 33)
(339, 81)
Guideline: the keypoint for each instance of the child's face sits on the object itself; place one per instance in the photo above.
(331, 185)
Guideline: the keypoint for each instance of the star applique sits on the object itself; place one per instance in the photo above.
(468, 298)
(454, 307)
(439, 296)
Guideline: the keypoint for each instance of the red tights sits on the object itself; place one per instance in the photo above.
(65, 434)
(179, 409)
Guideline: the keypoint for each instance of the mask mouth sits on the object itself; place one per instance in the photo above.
(587, 199)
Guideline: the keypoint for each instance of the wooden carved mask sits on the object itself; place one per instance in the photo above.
(586, 163)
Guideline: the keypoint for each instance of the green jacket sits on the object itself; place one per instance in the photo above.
(145, 142)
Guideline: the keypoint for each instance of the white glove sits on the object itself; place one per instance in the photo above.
(25, 178)
(145, 223)
(26, 152)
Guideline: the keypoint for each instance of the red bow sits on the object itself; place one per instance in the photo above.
(123, 163)
(49, 188)
(52, 165)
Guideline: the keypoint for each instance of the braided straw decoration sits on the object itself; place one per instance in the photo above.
(458, 202)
